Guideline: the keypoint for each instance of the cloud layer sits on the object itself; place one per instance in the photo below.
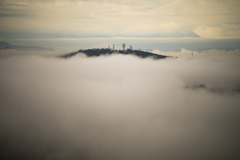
(119, 107)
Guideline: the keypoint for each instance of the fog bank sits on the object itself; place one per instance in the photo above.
(120, 107)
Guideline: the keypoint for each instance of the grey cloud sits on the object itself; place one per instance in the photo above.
(14, 9)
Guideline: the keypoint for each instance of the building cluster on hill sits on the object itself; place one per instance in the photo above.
(123, 47)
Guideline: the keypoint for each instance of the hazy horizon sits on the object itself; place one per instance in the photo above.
(163, 44)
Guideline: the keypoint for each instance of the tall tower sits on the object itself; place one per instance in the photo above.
(123, 46)
(130, 47)
(114, 47)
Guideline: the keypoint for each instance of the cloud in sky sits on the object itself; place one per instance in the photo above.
(126, 18)
(119, 107)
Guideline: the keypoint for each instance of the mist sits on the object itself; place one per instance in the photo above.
(120, 107)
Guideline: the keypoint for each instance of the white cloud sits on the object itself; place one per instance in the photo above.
(208, 31)
(218, 31)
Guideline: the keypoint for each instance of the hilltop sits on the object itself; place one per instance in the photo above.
(107, 51)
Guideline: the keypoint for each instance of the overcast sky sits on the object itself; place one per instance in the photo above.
(114, 18)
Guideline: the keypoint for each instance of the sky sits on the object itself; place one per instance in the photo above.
(112, 18)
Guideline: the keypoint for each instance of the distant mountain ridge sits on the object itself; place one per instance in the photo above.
(107, 51)
(5, 45)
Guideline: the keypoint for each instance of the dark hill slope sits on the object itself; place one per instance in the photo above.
(99, 52)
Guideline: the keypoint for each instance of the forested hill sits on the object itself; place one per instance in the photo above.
(99, 52)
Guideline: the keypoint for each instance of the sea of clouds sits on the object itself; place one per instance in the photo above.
(120, 107)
